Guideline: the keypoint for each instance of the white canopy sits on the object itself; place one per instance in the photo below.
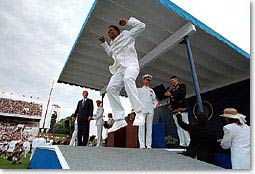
(218, 61)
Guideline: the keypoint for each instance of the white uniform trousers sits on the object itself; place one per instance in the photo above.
(74, 137)
(124, 77)
(99, 135)
(182, 134)
(75, 134)
(145, 131)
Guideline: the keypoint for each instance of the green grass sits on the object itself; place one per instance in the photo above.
(5, 164)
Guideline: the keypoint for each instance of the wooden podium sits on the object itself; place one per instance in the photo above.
(124, 137)
(117, 138)
(132, 136)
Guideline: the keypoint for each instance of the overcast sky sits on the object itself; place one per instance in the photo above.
(37, 36)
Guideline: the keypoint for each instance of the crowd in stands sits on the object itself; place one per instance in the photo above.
(16, 142)
(10, 106)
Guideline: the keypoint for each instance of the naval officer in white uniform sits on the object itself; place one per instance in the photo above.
(99, 122)
(149, 102)
(125, 69)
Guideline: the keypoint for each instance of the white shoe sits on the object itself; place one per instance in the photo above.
(117, 125)
(139, 119)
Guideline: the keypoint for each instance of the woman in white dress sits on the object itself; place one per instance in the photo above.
(237, 137)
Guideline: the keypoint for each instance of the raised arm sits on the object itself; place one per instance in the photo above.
(106, 47)
(137, 26)
(183, 125)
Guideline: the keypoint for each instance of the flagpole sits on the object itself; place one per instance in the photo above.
(52, 83)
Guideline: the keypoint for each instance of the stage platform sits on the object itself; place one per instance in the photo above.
(113, 158)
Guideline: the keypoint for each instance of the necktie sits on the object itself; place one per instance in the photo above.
(83, 102)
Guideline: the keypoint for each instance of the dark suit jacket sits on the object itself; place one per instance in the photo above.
(82, 113)
(202, 140)
(178, 97)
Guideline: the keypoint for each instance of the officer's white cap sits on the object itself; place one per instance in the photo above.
(147, 76)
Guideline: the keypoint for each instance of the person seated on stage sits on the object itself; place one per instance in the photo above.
(108, 124)
(203, 140)
(131, 116)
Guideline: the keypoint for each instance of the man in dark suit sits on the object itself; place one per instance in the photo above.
(178, 103)
(84, 112)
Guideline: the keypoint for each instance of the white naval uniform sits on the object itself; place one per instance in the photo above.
(75, 133)
(149, 102)
(183, 135)
(99, 123)
(237, 137)
(125, 68)
(26, 146)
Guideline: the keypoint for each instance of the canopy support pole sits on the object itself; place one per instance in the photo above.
(194, 74)
(103, 99)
